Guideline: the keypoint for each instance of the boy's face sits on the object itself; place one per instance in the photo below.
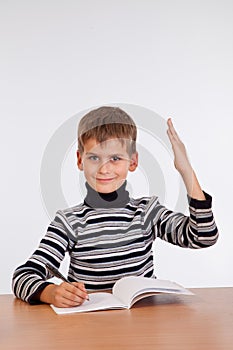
(106, 164)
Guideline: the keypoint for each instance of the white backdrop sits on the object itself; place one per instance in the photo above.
(59, 58)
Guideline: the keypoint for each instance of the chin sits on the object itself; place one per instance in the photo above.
(105, 189)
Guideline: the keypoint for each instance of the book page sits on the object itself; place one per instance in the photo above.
(128, 288)
(98, 301)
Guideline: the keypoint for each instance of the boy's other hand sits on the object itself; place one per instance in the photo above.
(65, 294)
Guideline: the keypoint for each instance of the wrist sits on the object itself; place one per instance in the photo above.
(46, 295)
(192, 185)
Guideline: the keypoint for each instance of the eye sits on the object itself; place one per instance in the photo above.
(115, 158)
(94, 158)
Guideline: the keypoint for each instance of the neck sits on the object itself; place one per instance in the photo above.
(116, 199)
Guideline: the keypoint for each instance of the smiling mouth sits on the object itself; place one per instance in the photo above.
(105, 180)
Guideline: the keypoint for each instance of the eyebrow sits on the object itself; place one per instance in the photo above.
(114, 154)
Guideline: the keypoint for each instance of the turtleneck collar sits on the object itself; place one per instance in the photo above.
(116, 199)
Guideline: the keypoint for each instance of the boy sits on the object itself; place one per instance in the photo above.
(110, 235)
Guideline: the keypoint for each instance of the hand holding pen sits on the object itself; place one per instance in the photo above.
(67, 294)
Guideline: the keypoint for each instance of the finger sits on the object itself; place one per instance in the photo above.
(79, 285)
(64, 302)
(69, 299)
(171, 126)
(171, 135)
(171, 130)
(82, 287)
(76, 290)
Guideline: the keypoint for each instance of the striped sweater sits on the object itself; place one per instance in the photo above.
(106, 244)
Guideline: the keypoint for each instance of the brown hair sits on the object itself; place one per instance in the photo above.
(107, 122)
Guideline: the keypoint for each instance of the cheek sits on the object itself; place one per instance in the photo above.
(124, 168)
(90, 169)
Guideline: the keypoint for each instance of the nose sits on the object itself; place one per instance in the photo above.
(105, 168)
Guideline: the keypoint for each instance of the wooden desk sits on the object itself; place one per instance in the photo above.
(202, 321)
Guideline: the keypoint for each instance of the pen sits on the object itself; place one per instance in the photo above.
(57, 273)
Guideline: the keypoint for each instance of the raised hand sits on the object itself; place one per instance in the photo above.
(181, 160)
(182, 163)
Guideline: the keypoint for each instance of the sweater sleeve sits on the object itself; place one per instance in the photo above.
(198, 230)
(31, 278)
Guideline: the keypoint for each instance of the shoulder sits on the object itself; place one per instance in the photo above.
(71, 213)
(67, 220)
(76, 209)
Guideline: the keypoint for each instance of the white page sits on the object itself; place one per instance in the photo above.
(97, 301)
(127, 288)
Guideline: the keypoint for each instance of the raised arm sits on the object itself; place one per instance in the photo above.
(183, 165)
(198, 230)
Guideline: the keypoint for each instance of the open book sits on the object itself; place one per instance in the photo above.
(126, 292)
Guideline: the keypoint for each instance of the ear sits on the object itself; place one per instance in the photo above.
(133, 162)
(79, 160)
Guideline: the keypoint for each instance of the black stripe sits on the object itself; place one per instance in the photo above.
(58, 231)
(115, 258)
(110, 232)
(30, 266)
(112, 243)
(119, 271)
(56, 246)
(201, 220)
(77, 214)
(47, 257)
